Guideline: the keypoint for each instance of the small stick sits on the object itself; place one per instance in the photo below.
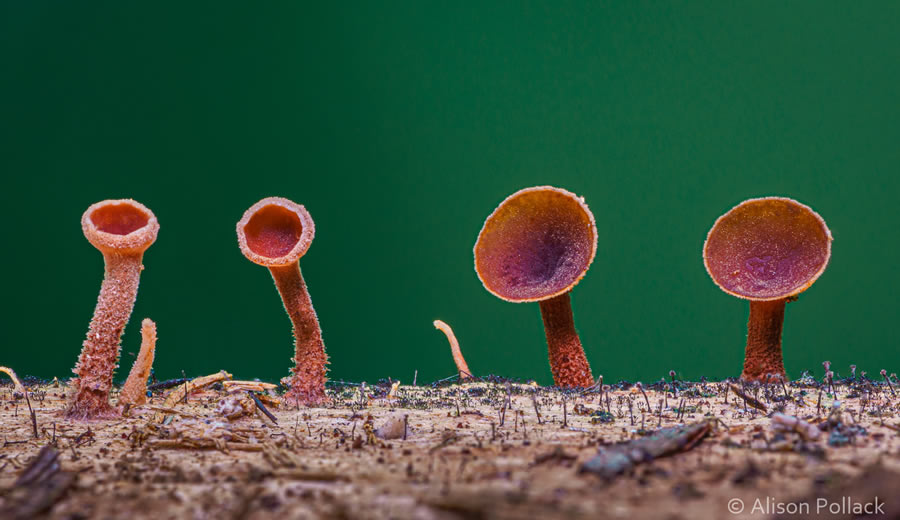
(537, 411)
(202, 444)
(263, 408)
(674, 388)
(33, 416)
(256, 386)
(784, 387)
(458, 358)
(748, 400)
(189, 386)
(165, 385)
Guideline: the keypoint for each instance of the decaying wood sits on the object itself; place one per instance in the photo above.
(202, 444)
(181, 392)
(444, 451)
(750, 400)
(615, 460)
(42, 483)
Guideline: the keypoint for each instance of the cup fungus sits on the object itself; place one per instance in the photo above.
(122, 230)
(275, 232)
(768, 251)
(535, 247)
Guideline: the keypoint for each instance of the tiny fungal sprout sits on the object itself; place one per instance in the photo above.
(766, 251)
(535, 247)
(458, 358)
(884, 374)
(853, 371)
(134, 391)
(275, 232)
(121, 230)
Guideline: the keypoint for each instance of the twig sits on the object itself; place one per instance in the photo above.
(203, 444)
(33, 416)
(262, 407)
(751, 401)
(189, 386)
(165, 385)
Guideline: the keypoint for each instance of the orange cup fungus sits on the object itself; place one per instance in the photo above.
(535, 247)
(768, 251)
(275, 232)
(122, 230)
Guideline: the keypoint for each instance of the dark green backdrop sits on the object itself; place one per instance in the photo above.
(400, 126)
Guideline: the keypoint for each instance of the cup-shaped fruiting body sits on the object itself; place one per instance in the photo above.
(767, 250)
(121, 230)
(535, 247)
(275, 232)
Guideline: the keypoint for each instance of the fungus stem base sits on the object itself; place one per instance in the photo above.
(763, 356)
(100, 352)
(567, 360)
(308, 381)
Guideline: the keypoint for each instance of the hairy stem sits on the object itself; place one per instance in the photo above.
(763, 357)
(567, 360)
(100, 352)
(308, 382)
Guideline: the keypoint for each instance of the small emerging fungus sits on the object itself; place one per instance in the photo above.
(458, 358)
(17, 385)
(535, 247)
(768, 251)
(134, 391)
(275, 232)
(122, 230)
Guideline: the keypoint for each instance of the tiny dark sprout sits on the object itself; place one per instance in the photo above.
(640, 387)
(674, 385)
(829, 379)
(886, 378)
(853, 371)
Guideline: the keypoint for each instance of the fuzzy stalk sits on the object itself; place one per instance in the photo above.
(100, 351)
(308, 381)
(763, 357)
(567, 360)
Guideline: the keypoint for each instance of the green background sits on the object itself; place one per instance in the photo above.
(400, 126)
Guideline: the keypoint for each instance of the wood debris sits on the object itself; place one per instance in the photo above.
(181, 392)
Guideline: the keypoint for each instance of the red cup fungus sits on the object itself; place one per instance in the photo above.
(535, 247)
(275, 232)
(122, 230)
(768, 251)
